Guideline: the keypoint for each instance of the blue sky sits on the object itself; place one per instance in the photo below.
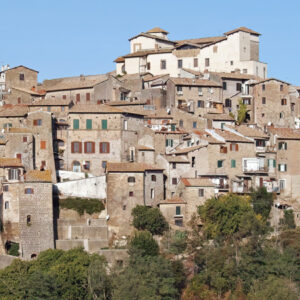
(71, 37)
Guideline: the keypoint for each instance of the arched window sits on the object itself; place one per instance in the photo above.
(153, 178)
(131, 179)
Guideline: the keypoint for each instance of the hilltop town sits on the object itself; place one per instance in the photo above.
(176, 123)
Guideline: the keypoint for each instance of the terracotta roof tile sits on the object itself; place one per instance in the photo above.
(201, 41)
(251, 132)
(19, 130)
(144, 148)
(244, 29)
(194, 82)
(231, 137)
(285, 133)
(157, 30)
(234, 75)
(38, 176)
(218, 117)
(176, 159)
(197, 182)
(14, 111)
(120, 59)
(51, 102)
(188, 149)
(131, 167)
(147, 52)
(31, 92)
(10, 162)
(174, 200)
(207, 137)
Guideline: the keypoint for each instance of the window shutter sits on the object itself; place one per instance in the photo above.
(34, 122)
(89, 124)
(72, 147)
(171, 143)
(104, 124)
(236, 147)
(76, 124)
(269, 163)
(80, 147)
(274, 163)
(88, 96)
(285, 167)
(230, 147)
(93, 147)
(108, 147)
(285, 146)
(278, 167)
(19, 174)
(100, 148)
(166, 142)
(85, 147)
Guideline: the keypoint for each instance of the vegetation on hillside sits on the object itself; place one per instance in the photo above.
(82, 205)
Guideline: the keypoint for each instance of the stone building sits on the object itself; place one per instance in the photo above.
(129, 185)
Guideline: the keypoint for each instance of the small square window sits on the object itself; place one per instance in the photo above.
(22, 77)
(130, 194)
(24, 139)
(174, 181)
(179, 222)
(28, 191)
(201, 192)
(5, 188)
(173, 165)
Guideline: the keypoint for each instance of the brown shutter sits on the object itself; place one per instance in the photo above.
(19, 174)
(93, 147)
(34, 122)
(88, 96)
(236, 147)
(72, 147)
(85, 147)
(230, 147)
(80, 147)
(108, 147)
(225, 149)
(100, 148)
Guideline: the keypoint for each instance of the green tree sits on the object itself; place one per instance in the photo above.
(242, 112)
(143, 244)
(288, 221)
(175, 242)
(149, 218)
(262, 202)
(146, 278)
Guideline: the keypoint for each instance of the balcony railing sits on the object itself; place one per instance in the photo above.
(255, 170)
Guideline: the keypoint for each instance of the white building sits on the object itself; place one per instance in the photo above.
(153, 52)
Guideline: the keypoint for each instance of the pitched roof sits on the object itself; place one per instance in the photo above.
(174, 200)
(197, 182)
(152, 36)
(18, 130)
(197, 73)
(20, 66)
(13, 111)
(119, 59)
(98, 109)
(234, 75)
(10, 162)
(207, 137)
(73, 83)
(218, 117)
(201, 41)
(176, 159)
(187, 150)
(285, 133)
(147, 52)
(51, 102)
(231, 137)
(38, 176)
(150, 77)
(251, 132)
(131, 167)
(194, 82)
(244, 29)
(157, 30)
(268, 79)
(31, 92)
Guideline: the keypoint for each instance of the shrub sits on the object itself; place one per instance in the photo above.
(143, 244)
(148, 218)
(82, 205)
(288, 221)
(13, 249)
(262, 202)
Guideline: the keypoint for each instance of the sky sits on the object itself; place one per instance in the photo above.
(62, 38)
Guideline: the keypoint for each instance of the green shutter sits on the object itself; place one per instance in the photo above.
(285, 167)
(104, 124)
(171, 143)
(89, 124)
(278, 167)
(166, 142)
(219, 163)
(233, 163)
(178, 210)
(269, 162)
(173, 127)
(76, 124)
(274, 163)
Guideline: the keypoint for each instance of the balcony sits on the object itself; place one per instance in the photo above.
(249, 169)
(240, 189)
(222, 186)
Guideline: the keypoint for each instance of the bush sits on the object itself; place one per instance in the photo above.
(262, 202)
(143, 244)
(288, 221)
(148, 218)
(13, 249)
(82, 205)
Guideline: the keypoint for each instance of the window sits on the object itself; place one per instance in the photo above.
(76, 147)
(131, 194)
(201, 103)
(178, 210)
(163, 64)
(13, 174)
(282, 184)
(193, 161)
(282, 167)
(29, 191)
(28, 220)
(179, 63)
(87, 96)
(292, 106)
(227, 103)
(260, 143)
(37, 122)
(281, 87)
(124, 207)
(19, 156)
(5, 188)
(6, 205)
(169, 143)
(22, 77)
(152, 193)
(77, 98)
(262, 115)
(125, 124)
(179, 89)
(64, 97)
(43, 145)
(245, 71)
(194, 124)
(220, 163)
(104, 164)
(173, 127)
(272, 163)
(173, 165)
(282, 146)
(206, 62)
(246, 101)
(283, 102)
(201, 192)
(223, 149)
(263, 87)
(76, 124)
(231, 62)
(200, 92)
(153, 178)
(174, 180)
(234, 147)
(239, 87)
(222, 126)
(195, 62)
(263, 100)
(19, 100)
(87, 165)
(104, 124)
(104, 147)
(224, 85)
(281, 115)
(178, 222)
(180, 123)
(123, 96)
(49, 108)
(88, 123)
(233, 163)
(131, 179)
(215, 49)
(148, 66)
(62, 108)
(89, 147)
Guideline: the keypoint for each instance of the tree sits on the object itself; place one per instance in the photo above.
(148, 218)
(175, 242)
(262, 202)
(288, 221)
(146, 278)
(143, 244)
(242, 112)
